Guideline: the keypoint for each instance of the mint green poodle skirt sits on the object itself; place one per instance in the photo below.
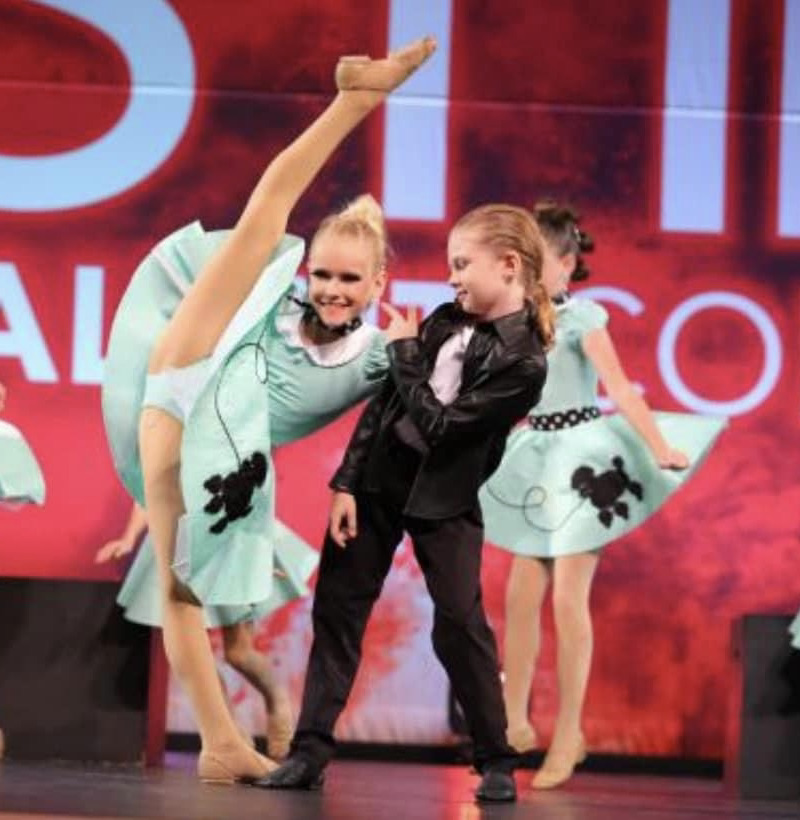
(251, 565)
(573, 490)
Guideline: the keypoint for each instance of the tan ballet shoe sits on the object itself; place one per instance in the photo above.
(360, 73)
(521, 738)
(558, 768)
(280, 730)
(224, 768)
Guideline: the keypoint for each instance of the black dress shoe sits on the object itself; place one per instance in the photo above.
(496, 787)
(296, 772)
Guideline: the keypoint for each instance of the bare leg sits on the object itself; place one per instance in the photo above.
(245, 734)
(185, 637)
(572, 583)
(525, 591)
(242, 655)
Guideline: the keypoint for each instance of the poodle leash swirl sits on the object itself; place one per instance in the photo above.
(525, 506)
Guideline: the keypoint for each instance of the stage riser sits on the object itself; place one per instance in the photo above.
(73, 673)
(763, 756)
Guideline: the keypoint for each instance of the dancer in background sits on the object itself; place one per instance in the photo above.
(225, 354)
(571, 481)
(794, 631)
(21, 479)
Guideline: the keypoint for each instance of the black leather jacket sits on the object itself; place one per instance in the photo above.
(461, 443)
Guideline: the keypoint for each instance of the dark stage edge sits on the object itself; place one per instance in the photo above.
(358, 791)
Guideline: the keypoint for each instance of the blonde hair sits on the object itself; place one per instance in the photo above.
(507, 228)
(363, 217)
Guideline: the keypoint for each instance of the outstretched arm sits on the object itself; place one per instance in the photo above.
(600, 350)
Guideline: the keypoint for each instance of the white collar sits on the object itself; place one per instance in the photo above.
(333, 354)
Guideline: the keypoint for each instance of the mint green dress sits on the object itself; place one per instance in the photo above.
(260, 388)
(572, 480)
(21, 480)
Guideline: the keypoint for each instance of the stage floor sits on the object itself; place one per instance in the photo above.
(358, 791)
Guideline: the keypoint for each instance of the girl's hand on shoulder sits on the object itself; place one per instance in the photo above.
(401, 327)
(672, 459)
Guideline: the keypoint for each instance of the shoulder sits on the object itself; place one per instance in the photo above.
(447, 312)
(580, 315)
(376, 357)
(525, 355)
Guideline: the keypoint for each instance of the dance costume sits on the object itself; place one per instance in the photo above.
(21, 479)
(572, 479)
(262, 386)
(420, 452)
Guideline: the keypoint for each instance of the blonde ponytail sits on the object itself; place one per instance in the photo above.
(545, 313)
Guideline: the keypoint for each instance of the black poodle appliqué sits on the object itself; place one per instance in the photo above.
(605, 489)
(234, 492)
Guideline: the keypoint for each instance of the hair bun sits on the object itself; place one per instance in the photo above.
(585, 242)
(363, 217)
(559, 225)
(366, 210)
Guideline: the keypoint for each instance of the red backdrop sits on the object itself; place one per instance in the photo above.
(566, 101)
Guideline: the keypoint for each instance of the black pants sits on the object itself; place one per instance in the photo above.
(350, 581)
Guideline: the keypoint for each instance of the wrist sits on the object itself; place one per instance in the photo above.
(661, 454)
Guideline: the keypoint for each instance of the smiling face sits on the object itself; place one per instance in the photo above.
(487, 284)
(342, 279)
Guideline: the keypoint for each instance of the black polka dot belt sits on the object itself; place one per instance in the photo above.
(564, 418)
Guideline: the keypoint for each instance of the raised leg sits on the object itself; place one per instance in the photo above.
(230, 275)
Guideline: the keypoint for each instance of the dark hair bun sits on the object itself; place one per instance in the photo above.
(585, 242)
(559, 225)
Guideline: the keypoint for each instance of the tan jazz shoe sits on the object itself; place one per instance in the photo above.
(521, 738)
(557, 768)
(226, 767)
(360, 73)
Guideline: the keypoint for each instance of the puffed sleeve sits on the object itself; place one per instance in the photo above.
(376, 359)
(581, 317)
